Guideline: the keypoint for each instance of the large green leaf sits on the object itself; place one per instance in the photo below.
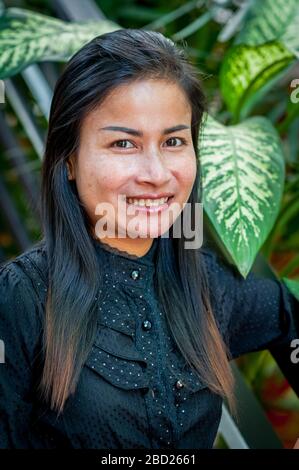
(266, 46)
(243, 175)
(248, 72)
(290, 38)
(268, 20)
(292, 285)
(27, 37)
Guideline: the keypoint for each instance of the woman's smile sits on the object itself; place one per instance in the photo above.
(149, 205)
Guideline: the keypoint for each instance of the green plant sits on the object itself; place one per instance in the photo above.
(249, 146)
(243, 164)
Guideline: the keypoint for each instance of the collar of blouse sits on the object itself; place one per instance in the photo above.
(124, 275)
(125, 268)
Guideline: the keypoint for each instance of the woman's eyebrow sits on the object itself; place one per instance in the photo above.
(137, 133)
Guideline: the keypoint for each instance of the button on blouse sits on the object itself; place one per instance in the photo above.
(179, 384)
(135, 388)
(134, 274)
(146, 325)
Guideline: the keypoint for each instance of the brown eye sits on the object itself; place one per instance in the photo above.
(177, 138)
(120, 146)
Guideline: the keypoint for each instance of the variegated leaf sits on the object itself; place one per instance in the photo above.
(268, 20)
(248, 72)
(243, 176)
(266, 46)
(290, 37)
(27, 37)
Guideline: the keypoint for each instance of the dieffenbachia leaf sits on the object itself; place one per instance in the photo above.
(243, 176)
(267, 21)
(249, 71)
(27, 37)
(290, 38)
(266, 46)
(292, 285)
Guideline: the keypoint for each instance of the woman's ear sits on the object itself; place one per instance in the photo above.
(70, 167)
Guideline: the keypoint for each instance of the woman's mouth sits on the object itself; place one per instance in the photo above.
(149, 205)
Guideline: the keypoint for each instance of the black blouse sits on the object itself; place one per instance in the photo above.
(135, 389)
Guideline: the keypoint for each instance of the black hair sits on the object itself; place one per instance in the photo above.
(106, 62)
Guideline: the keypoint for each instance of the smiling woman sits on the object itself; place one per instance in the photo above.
(125, 341)
(154, 173)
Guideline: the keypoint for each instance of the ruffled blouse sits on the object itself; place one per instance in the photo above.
(135, 389)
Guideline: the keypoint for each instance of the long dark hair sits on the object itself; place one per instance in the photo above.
(109, 60)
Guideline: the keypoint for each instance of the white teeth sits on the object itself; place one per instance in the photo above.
(147, 202)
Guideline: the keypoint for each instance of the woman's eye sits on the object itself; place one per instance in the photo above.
(177, 138)
(122, 143)
(119, 142)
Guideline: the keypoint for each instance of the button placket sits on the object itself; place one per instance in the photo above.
(131, 282)
(185, 388)
(157, 400)
(134, 278)
(156, 394)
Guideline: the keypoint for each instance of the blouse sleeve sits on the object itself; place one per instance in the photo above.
(20, 329)
(257, 313)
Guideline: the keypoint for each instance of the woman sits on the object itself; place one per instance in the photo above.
(117, 337)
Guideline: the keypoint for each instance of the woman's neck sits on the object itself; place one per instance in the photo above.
(136, 246)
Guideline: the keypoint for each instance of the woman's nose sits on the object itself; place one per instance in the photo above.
(154, 170)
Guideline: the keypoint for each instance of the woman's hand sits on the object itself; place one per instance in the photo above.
(296, 446)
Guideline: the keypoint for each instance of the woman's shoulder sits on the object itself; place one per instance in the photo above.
(224, 281)
(35, 255)
(216, 264)
(27, 273)
(22, 301)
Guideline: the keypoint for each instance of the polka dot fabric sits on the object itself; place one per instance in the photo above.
(135, 389)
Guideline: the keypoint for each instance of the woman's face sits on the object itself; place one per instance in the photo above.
(146, 160)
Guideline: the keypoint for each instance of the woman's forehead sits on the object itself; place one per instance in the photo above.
(144, 107)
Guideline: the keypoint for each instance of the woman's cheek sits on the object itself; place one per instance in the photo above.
(187, 177)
